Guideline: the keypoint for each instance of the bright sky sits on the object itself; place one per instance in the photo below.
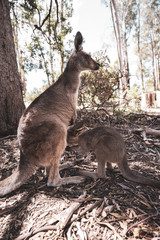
(90, 17)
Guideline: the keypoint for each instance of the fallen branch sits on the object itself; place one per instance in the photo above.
(63, 219)
(66, 214)
(148, 131)
(31, 234)
(86, 210)
(8, 137)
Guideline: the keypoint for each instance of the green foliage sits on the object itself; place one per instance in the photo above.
(98, 87)
(46, 25)
(132, 103)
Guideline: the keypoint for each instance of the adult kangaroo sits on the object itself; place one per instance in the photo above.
(43, 126)
(109, 147)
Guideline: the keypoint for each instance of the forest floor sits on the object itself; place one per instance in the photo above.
(96, 209)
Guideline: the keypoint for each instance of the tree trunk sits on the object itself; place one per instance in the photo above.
(121, 39)
(153, 63)
(139, 46)
(117, 33)
(126, 63)
(62, 50)
(157, 71)
(11, 100)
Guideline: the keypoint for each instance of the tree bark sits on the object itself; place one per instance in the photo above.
(117, 33)
(11, 100)
(126, 63)
(157, 58)
(153, 62)
(121, 39)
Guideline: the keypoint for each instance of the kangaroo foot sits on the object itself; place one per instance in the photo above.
(66, 180)
(73, 180)
(88, 174)
(54, 183)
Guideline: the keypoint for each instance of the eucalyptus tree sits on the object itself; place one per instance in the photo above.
(150, 42)
(123, 16)
(11, 100)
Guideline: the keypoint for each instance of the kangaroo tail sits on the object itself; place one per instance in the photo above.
(19, 177)
(133, 176)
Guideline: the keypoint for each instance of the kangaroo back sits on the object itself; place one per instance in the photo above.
(133, 176)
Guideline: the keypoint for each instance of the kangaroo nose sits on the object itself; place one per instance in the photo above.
(98, 65)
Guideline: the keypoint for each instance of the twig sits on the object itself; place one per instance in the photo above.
(66, 215)
(112, 228)
(131, 191)
(31, 234)
(86, 210)
(45, 19)
(7, 137)
(143, 220)
(126, 218)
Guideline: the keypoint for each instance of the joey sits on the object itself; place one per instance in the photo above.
(109, 147)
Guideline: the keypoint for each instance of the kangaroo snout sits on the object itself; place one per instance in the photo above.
(94, 65)
(97, 66)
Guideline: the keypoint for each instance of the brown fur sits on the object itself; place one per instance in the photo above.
(109, 148)
(43, 126)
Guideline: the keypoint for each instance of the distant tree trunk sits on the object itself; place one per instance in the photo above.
(157, 71)
(121, 39)
(117, 35)
(126, 63)
(153, 63)
(139, 46)
(11, 100)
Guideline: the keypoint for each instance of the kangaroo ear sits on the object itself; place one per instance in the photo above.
(78, 41)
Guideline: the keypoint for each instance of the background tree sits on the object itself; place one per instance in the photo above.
(123, 15)
(11, 101)
(150, 43)
(47, 26)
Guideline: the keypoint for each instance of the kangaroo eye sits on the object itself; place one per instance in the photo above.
(87, 57)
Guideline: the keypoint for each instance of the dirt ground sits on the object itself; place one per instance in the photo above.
(112, 209)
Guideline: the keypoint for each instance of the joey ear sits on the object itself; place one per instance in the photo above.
(78, 41)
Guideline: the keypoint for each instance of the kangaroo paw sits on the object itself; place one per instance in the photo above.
(65, 181)
(54, 183)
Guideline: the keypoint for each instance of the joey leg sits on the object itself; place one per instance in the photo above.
(54, 179)
(101, 172)
(61, 167)
(109, 166)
